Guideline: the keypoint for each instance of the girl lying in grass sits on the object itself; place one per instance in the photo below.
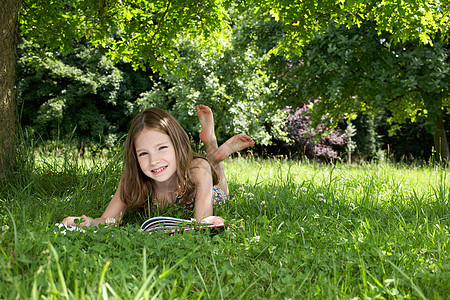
(160, 168)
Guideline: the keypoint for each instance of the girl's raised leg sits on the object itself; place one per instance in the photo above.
(214, 153)
(232, 145)
(207, 135)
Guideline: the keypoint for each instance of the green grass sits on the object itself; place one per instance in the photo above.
(297, 230)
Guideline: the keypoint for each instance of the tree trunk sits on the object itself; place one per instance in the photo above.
(440, 139)
(9, 24)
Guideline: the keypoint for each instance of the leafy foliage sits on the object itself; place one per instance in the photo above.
(142, 33)
(405, 20)
(357, 70)
(319, 142)
(233, 82)
(81, 95)
(368, 137)
(85, 95)
(248, 67)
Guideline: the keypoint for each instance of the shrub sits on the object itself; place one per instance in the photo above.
(81, 95)
(320, 142)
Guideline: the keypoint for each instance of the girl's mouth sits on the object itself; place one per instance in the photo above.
(159, 170)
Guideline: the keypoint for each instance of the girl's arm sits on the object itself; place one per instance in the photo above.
(201, 172)
(114, 212)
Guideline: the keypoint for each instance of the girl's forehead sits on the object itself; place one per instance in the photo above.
(150, 135)
(150, 130)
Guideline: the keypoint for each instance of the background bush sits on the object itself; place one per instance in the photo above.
(81, 95)
(320, 142)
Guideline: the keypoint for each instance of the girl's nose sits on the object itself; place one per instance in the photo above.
(154, 159)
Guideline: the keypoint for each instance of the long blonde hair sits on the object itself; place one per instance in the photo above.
(136, 188)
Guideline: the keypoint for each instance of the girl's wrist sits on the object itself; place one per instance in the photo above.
(88, 221)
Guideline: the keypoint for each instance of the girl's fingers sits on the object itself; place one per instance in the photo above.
(70, 221)
(213, 220)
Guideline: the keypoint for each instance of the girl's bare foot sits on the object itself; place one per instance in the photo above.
(217, 154)
(206, 119)
(232, 145)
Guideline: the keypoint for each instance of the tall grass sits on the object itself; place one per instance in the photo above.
(297, 230)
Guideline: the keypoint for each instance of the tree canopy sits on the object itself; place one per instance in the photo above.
(143, 32)
(404, 19)
(137, 31)
(356, 70)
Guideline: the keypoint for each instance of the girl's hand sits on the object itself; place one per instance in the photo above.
(213, 220)
(83, 221)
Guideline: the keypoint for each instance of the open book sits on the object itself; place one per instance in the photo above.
(172, 225)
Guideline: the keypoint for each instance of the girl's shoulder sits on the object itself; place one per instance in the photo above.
(199, 163)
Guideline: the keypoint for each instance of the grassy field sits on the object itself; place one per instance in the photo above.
(297, 230)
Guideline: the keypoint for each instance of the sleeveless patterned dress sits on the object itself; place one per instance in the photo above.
(219, 197)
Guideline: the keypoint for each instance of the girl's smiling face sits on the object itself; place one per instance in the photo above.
(156, 156)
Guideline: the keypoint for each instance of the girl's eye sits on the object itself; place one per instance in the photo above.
(142, 153)
(162, 147)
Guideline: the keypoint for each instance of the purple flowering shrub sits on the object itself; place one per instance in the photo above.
(320, 142)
